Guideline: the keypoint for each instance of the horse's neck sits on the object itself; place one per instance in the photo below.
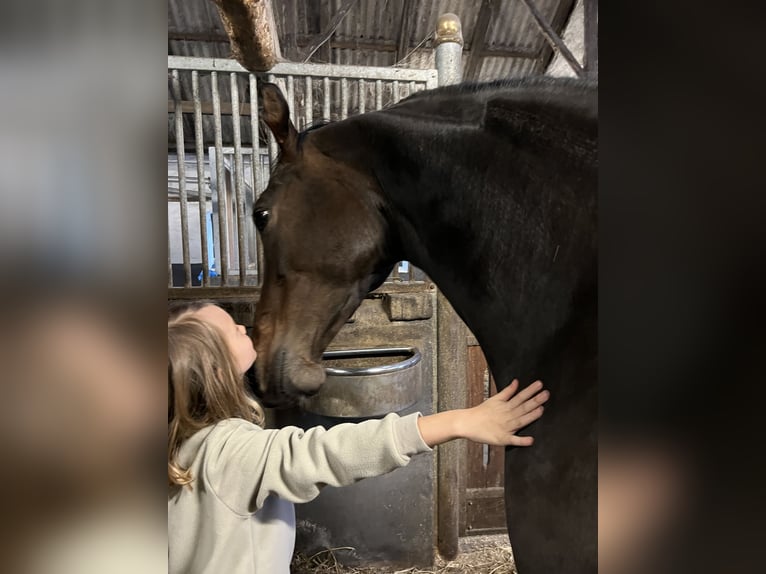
(508, 237)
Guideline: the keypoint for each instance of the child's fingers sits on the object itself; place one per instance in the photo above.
(521, 440)
(534, 402)
(526, 393)
(530, 417)
(508, 391)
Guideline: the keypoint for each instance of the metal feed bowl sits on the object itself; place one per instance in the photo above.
(359, 386)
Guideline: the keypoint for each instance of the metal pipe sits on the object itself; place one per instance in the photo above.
(181, 162)
(412, 360)
(343, 98)
(308, 103)
(448, 40)
(291, 98)
(326, 99)
(395, 91)
(256, 165)
(239, 178)
(273, 149)
(378, 95)
(200, 151)
(220, 187)
(362, 96)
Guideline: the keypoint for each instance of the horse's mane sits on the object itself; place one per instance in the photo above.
(529, 84)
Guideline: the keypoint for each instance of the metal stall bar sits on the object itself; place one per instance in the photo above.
(256, 164)
(308, 104)
(343, 98)
(181, 160)
(291, 99)
(220, 184)
(200, 150)
(362, 98)
(239, 178)
(395, 97)
(378, 95)
(273, 150)
(315, 70)
(326, 99)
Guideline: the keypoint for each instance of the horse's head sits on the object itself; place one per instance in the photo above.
(324, 243)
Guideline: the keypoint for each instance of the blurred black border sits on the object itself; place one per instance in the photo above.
(682, 202)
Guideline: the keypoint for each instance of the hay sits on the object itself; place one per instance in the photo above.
(491, 559)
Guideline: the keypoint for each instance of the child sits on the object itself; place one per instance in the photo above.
(233, 484)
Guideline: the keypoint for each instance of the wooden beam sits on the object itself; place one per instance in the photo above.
(553, 37)
(590, 25)
(406, 25)
(252, 32)
(328, 31)
(483, 20)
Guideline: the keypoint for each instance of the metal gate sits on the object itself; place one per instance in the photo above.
(222, 157)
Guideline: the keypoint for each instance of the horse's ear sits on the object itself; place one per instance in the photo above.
(276, 114)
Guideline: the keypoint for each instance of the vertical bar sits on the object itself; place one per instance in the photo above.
(181, 161)
(411, 89)
(362, 96)
(395, 91)
(291, 98)
(198, 139)
(308, 111)
(273, 149)
(239, 178)
(255, 137)
(170, 265)
(590, 24)
(326, 99)
(378, 95)
(343, 98)
(223, 235)
(451, 393)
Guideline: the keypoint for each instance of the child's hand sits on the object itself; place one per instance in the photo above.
(497, 419)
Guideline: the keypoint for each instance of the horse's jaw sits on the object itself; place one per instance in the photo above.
(289, 365)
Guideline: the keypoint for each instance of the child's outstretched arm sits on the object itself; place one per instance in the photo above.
(493, 422)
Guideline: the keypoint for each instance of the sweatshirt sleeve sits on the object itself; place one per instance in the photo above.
(244, 464)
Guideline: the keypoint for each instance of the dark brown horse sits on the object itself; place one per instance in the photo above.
(491, 190)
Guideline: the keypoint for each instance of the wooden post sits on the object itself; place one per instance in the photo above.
(452, 356)
(252, 32)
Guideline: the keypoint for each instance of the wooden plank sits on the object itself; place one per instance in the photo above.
(485, 514)
(483, 20)
(451, 394)
(482, 473)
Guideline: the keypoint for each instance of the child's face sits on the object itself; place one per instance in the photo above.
(235, 335)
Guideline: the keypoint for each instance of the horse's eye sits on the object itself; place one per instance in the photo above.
(261, 218)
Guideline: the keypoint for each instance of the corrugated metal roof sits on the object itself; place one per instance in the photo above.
(370, 24)
(195, 29)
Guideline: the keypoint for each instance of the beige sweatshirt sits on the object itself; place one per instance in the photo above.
(238, 517)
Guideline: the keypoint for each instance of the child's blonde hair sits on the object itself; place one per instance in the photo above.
(204, 386)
